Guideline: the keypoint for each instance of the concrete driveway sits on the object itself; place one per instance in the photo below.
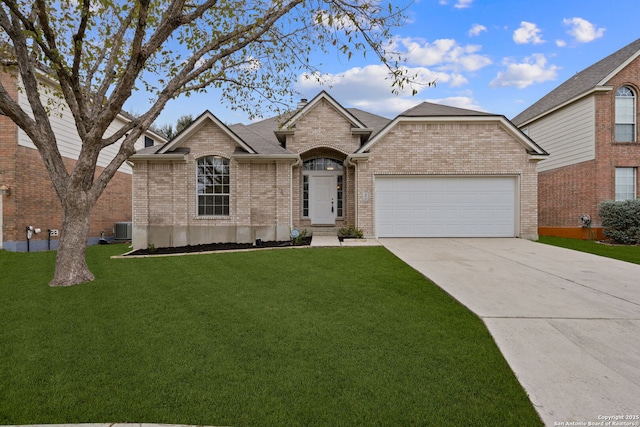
(568, 323)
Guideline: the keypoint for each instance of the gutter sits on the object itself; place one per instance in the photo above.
(266, 157)
(179, 157)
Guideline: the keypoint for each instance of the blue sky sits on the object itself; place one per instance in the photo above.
(493, 56)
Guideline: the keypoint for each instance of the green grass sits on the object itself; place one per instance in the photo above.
(621, 252)
(300, 337)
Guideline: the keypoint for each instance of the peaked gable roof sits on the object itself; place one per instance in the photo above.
(319, 97)
(591, 78)
(196, 125)
(260, 139)
(428, 111)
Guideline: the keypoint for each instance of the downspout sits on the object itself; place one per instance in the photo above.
(355, 186)
(293, 165)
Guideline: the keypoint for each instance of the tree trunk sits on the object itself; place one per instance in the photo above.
(71, 264)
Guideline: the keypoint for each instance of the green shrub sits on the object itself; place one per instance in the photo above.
(297, 241)
(351, 232)
(621, 220)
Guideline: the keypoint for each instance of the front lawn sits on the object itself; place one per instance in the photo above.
(300, 337)
(621, 252)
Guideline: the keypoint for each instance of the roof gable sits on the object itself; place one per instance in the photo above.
(582, 83)
(311, 104)
(429, 109)
(429, 112)
(196, 125)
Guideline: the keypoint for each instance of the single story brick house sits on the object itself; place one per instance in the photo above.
(433, 171)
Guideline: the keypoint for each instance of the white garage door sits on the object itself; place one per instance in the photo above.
(445, 206)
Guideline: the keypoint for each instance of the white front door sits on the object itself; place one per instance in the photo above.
(322, 200)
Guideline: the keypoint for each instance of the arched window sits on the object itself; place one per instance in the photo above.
(625, 115)
(322, 164)
(213, 186)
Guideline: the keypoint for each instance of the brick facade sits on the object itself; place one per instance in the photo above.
(568, 192)
(324, 132)
(266, 193)
(32, 200)
(463, 149)
(165, 200)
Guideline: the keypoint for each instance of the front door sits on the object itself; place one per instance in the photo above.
(323, 193)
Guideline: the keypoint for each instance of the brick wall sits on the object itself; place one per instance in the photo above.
(33, 200)
(165, 198)
(8, 153)
(567, 193)
(323, 126)
(266, 194)
(449, 149)
(324, 132)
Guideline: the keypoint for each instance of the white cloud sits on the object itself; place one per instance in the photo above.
(369, 88)
(561, 43)
(527, 33)
(446, 54)
(463, 4)
(460, 4)
(534, 69)
(476, 30)
(582, 30)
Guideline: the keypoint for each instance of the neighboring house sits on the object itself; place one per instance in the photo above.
(27, 197)
(589, 125)
(433, 171)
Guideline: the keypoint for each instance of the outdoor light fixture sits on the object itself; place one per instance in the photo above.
(31, 230)
(4, 190)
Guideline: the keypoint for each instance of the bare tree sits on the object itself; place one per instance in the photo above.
(96, 53)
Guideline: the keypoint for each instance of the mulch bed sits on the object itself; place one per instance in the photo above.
(611, 242)
(212, 247)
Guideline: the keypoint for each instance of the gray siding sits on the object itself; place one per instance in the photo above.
(567, 135)
(67, 136)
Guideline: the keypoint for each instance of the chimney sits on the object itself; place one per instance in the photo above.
(302, 103)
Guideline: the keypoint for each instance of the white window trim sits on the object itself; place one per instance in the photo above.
(626, 195)
(198, 194)
(625, 93)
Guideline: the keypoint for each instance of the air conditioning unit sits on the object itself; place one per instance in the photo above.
(123, 231)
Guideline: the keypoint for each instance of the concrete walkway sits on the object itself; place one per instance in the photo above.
(568, 323)
(319, 241)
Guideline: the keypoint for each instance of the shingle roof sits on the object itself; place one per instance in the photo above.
(581, 83)
(259, 137)
(428, 109)
(372, 121)
(262, 138)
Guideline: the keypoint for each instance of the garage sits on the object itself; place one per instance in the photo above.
(444, 206)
